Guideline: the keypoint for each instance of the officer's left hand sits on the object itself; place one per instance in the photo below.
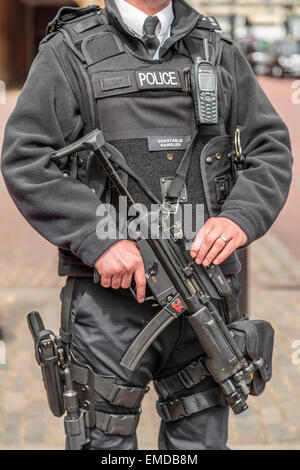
(209, 248)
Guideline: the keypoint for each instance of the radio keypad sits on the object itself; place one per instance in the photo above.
(208, 106)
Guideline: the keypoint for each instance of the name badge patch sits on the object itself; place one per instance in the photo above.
(158, 80)
(169, 143)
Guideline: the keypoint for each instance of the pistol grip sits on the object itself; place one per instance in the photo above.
(35, 324)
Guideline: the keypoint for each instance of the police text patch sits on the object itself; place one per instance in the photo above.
(169, 143)
(151, 80)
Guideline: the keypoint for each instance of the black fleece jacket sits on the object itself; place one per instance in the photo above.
(64, 210)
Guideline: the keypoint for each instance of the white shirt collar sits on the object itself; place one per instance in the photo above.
(135, 19)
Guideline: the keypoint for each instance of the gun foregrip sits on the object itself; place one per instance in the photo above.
(35, 324)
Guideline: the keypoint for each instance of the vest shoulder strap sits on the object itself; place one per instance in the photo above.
(70, 14)
(74, 22)
(77, 78)
(70, 27)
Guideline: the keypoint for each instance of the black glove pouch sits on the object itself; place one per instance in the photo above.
(255, 338)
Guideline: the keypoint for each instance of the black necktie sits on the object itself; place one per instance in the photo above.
(150, 38)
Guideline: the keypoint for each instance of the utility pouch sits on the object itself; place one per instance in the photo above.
(255, 339)
(95, 177)
(47, 356)
(224, 185)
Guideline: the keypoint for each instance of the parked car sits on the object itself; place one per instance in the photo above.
(261, 62)
(257, 55)
(285, 58)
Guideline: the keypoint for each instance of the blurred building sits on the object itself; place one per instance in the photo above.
(23, 23)
(264, 19)
(22, 26)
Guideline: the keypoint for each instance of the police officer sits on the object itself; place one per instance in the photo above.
(130, 61)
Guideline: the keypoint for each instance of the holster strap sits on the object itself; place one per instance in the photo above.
(186, 406)
(119, 395)
(65, 337)
(66, 304)
(121, 425)
(186, 378)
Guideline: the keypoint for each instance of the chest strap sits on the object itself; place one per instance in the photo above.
(181, 175)
(186, 378)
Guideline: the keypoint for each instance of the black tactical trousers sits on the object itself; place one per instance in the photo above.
(103, 324)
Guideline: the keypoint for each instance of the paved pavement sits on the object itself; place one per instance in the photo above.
(28, 282)
(284, 95)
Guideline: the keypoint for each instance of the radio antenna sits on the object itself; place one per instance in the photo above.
(206, 50)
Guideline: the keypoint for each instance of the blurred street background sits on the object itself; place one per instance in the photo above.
(268, 31)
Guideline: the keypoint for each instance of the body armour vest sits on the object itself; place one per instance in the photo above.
(145, 109)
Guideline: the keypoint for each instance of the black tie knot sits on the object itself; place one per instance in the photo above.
(150, 38)
(150, 26)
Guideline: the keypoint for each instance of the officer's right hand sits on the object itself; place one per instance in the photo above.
(119, 264)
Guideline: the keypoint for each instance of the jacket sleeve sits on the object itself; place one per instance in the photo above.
(262, 189)
(45, 119)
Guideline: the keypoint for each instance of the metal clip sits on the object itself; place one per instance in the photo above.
(168, 208)
(237, 144)
(238, 157)
(52, 27)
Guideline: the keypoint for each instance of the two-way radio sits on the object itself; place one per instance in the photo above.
(204, 87)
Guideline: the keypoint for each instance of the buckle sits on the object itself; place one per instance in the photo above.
(172, 411)
(161, 388)
(178, 410)
(167, 208)
(197, 371)
(163, 411)
(186, 379)
(122, 425)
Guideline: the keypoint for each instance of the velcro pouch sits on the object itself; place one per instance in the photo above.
(255, 338)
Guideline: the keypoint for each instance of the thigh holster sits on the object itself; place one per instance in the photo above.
(87, 382)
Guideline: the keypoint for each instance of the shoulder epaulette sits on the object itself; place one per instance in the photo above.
(209, 22)
(68, 14)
